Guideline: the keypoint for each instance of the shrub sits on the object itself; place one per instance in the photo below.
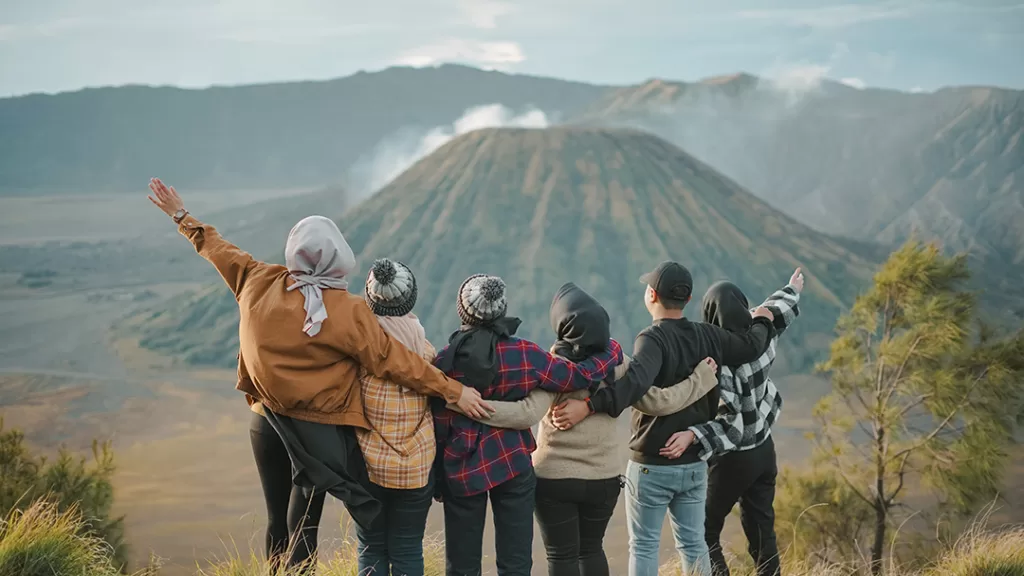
(42, 540)
(67, 483)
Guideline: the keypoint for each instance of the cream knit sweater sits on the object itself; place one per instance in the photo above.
(594, 449)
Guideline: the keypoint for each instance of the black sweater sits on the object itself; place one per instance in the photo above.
(665, 353)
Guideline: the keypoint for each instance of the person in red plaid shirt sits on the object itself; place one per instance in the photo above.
(477, 462)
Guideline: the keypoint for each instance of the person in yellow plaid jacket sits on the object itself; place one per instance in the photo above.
(399, 447)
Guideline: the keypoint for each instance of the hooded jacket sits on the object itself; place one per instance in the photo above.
(750, 402)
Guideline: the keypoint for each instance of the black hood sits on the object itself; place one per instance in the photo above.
(581, 324)
(725, 305)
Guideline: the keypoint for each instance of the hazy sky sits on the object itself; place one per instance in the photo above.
(56, 45)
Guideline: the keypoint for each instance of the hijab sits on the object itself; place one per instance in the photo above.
(726, 306)
(582, 327)
(318, 258)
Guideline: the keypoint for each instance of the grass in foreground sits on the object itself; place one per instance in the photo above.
(42, 541)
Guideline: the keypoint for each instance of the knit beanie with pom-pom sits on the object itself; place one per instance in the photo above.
(482, 300)
(390, 288)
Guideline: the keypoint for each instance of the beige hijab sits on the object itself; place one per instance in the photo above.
(318, 259)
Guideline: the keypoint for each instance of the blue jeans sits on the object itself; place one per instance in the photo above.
(393, 545)
(679, 490)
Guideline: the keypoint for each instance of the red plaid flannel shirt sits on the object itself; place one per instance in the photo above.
(477, 457)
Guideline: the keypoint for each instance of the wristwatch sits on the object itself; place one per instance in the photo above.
(590, 405)
(179, 215)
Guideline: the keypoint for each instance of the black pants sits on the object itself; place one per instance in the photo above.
(746, 477)
(573, 516)
(394, 543)
(293, 514)
(464, 519)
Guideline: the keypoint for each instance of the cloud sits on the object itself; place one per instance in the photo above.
(394, 155)
(799, 78)
(916, 90)
(485, 13)
(488, 54)
(827, 17)
(854, 83)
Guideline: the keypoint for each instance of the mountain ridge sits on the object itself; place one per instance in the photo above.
(541, 207)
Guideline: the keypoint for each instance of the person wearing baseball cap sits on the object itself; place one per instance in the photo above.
(666, 353)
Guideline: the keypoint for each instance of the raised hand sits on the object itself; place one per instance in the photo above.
(797, 281)
(473, 405)
(164, 198)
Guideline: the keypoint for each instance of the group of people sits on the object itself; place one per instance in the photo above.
(349, 398)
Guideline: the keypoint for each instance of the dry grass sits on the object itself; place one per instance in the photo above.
(41, 541)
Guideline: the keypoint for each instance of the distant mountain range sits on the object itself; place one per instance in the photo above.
(542, 207)
(875, 165)
(290, 135)
(872, 165)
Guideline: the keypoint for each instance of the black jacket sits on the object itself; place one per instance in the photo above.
(666, 353)
(327, 458)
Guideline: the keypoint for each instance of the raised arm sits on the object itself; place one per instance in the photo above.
(635, 383)
(232, 263)
(784, 303)
(664, 401)
(518, 415)
(556, 374)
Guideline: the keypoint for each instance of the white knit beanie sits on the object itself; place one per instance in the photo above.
(390, 288)
(482, 299)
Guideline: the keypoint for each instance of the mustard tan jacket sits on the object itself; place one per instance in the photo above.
(308, 378)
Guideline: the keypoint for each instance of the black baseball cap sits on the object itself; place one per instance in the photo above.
(671, 281)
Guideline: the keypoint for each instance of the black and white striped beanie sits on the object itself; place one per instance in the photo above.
(390, 288)
(482, 299)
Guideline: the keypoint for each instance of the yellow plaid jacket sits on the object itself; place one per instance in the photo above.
(399, 447)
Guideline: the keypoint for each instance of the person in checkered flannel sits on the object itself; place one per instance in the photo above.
(477, 462)
(738, 441)
(399, 445)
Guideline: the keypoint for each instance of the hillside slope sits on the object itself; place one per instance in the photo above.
(542, 207)
(289, 135)
(868, 164)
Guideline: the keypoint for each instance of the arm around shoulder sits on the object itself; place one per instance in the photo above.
(518, 415)
(360, 336)
(634, 384)
(665, 401)
(740, 349)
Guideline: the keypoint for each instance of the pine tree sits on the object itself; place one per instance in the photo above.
(921, 395)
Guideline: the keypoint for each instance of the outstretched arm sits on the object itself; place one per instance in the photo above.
(518, 415)
(233, 263)
(635, 383)
(664, 401)
(556, 374)
(362, 337)
(742, 348)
